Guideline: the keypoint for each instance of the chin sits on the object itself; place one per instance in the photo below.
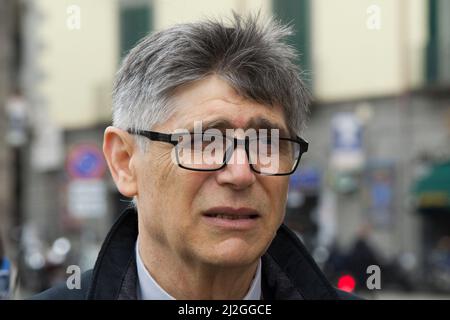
(234, 255)
(233, 262)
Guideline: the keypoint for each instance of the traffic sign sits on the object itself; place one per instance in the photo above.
(85, 161)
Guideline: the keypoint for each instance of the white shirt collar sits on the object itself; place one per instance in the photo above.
(149, 289)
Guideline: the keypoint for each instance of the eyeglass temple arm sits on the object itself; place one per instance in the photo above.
(154, 136)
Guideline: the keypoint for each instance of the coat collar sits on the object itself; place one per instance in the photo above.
(288, 270)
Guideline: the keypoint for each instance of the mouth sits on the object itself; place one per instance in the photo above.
(232, 218)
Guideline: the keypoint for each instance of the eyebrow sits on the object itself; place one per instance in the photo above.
(257, 123)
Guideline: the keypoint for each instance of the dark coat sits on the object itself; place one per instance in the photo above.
(288, 271)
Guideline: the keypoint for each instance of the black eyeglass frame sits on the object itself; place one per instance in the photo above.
(168, 137)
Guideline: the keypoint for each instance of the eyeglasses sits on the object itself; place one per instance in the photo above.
(267, 155)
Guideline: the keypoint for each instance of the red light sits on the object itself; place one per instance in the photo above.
(346, 283)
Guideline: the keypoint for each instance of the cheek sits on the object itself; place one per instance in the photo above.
(166, 194)
(176, 192)
(154, 187)
(278, 197)
(188, 190)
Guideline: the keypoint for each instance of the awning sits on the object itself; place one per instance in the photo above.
(432, 192)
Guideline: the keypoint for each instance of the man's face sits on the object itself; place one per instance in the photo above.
(175, 204)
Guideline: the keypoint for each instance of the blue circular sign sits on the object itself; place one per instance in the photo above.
(86, 162)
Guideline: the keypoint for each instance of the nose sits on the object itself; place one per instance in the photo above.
(237, 173)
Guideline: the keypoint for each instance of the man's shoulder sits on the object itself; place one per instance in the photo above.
(62, 292)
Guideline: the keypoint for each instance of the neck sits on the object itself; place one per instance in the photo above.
(185, 280)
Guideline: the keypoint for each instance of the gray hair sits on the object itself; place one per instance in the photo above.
(252, 57)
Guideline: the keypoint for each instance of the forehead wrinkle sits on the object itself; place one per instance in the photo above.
(195, 107)
(253, 123)
(220, 103)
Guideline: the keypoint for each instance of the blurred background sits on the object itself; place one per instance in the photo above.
(374, 188)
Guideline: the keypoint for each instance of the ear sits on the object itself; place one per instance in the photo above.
(118, 148)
